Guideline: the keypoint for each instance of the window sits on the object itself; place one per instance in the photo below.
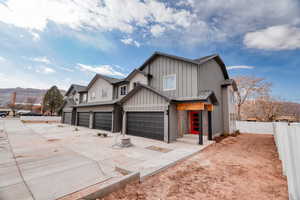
(169, 82)
(84, 98)
(93, 96)
(135, 84)
(104, 93)
(123, 90)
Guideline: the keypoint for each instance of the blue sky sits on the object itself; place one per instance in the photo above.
(60, 42)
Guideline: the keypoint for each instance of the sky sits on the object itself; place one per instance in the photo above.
(60, 42)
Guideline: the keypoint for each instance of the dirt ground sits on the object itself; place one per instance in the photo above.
(243, 167)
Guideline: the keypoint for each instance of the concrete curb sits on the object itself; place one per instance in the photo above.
(108, 188)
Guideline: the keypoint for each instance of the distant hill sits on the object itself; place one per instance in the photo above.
(22, 95)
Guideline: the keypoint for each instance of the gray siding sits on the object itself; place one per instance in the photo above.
(225, 109)
(145, 100)
(186, 76)
(210, 78)
(117, 119)
(117, 114)
(96, 108)
(173, 123)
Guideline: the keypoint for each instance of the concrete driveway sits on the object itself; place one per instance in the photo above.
(50, 161)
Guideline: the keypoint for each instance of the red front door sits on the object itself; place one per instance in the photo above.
(194, 122)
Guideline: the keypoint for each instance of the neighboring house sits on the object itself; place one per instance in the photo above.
(166, 98)
(72, 98)
(98, 107)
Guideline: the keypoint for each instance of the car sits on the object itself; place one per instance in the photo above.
(3, 114)
(31, 114)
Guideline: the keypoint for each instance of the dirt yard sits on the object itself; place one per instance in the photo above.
(243, 167)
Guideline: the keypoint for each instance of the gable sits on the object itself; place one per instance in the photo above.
(196, 62)
(96, 90)
(145, 97)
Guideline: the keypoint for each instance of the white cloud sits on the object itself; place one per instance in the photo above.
(102, 69)
(187, 22)
(223, 20)
(130, 41)
(2, 59)
(40, 59)
(35, 36)
(240, 67)
(185, 3)
(93, 14)
(11, 81)
(67, 69)
(44, 70)
(281, 37)
(157, 30)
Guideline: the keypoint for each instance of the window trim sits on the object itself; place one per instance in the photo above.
(167, 76)
(122, 86)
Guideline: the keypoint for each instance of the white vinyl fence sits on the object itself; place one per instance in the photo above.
(41, 118)
(287, 138)
(255, 127)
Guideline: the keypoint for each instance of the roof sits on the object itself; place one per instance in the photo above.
(204, 95)
(69, 101)
(111, 102)
(134, 72)
(78, 88)
(140, 86)
(107, 78)
(198, 61)
(230, 82)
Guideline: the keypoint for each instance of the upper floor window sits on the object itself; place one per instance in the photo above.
(93, 96)
(123, 90)
(135, 84)
(169, 82)
(104, 93)
(84, 96)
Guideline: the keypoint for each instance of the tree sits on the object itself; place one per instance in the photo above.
(30, 102)
(250, 88)
(53, 100)
(268, 109)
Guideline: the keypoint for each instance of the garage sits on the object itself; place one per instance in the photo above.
(146, 124)
(67, 117)
(103, 120)
(83, 119)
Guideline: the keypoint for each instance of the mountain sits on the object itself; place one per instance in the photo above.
(21, 95)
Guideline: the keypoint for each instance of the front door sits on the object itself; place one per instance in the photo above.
(194, 122)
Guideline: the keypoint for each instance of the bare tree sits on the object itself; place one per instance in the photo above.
(250, 88)
(30, 102)
(267, 108)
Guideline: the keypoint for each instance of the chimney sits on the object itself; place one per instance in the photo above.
(13, 98)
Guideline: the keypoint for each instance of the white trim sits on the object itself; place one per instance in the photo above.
(121, 86)
(166, 76)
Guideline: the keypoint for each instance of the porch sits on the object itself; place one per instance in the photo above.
(194, 122)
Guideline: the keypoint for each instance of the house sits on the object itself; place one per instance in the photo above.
(99, 106)
(166, 98)
(71, 99)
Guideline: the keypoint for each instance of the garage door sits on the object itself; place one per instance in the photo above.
(67, 117)
(84, 119)
(146, 124)
(103, 120)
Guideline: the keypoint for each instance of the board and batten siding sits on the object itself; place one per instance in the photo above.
(138, 77)
(97, 89)
(186, 76)
(210, 78)
(145, 100)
